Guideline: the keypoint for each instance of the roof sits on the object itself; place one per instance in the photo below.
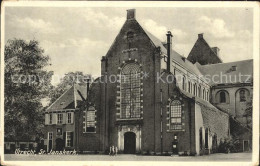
(213, 52)
(235, 72)
(70, 99)
(200, 101)
(237, 128)
(202, 53)
(175, 55)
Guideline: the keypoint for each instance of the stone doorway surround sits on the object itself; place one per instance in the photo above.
(122, 129)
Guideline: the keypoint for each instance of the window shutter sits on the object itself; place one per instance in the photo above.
(64, 118)
(72, 117)
(46, 119)
(71, 136)
(54, 118)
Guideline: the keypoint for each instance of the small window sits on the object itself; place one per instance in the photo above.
(69, 139)
(222, 96)
(189, 87)
(91, 124)
(60, 118)
(183, 83)
(207, 95)
(50, 135)
(199, 90)
(242, 96)
(50, 120)
(206, 138)
(195, 90)
(201, 139)
(175, 115)
(130, 35)
(69, 117)
(203, 94)
(59, 131)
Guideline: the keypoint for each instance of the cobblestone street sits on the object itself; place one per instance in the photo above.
(123, 157)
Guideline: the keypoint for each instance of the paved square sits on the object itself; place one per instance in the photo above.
(124, 157)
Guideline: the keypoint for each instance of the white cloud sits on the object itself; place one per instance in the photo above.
(155, 29)
(99, 19)
(160, 31)
(245, 35)
(215, 27)
(81, 42)
(38, 25)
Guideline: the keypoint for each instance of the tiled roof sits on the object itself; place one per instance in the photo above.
(200, 101)
(175, 55)
(70, 99)
(221, 70)
(212, 52)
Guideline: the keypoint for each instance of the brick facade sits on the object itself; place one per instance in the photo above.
(152, 131)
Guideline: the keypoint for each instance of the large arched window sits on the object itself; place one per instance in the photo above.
(222, 97)
(175, 115)
(130, 91)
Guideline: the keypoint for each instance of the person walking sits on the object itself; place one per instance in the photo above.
(110, 150)
(116, 150)
(113, 150)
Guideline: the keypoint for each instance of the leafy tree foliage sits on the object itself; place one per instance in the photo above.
(26, 83)
(248, 113)
(66, 82)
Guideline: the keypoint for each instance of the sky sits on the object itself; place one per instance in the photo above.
(76, 38)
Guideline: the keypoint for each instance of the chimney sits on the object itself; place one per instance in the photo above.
(215, 50)
(200, 36)
(130, 14)
(88, 82)
(169, 49)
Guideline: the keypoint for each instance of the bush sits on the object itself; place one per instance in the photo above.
(166, 154)
(228, 145)
(148, 152)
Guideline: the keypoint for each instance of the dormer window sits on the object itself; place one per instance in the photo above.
(234, 68)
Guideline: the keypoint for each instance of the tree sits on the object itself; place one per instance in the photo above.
(66, 82)
(248, 113)
(26, 83)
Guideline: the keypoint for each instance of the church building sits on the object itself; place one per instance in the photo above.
(150, 99)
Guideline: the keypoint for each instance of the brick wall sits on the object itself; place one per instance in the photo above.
(144, 55)
(91, 141)
(217, 121)
(234, 107)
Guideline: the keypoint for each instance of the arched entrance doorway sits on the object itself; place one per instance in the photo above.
(129, 143)
(59, 144)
